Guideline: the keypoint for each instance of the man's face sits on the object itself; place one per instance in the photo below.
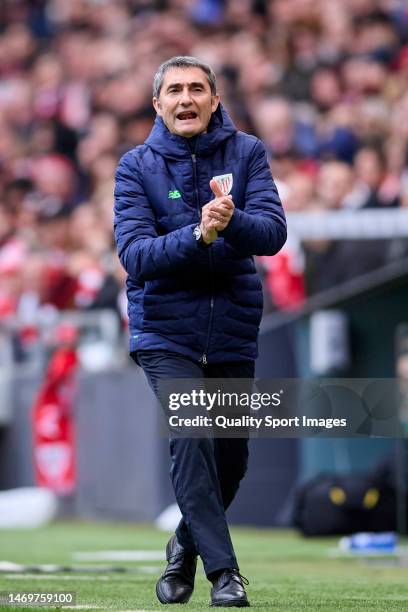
(185, 102)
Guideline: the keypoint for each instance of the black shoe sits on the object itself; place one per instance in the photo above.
(176, 585)
(228, 590)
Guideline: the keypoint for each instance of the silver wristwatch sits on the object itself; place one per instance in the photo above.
(197, 233)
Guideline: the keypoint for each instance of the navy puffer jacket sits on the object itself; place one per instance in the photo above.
(202, 302)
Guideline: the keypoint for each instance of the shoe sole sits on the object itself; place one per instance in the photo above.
(163, 599)
(231, 603)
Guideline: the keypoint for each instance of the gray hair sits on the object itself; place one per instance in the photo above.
(183, 61)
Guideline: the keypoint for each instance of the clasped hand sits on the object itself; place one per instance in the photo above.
(216, 214)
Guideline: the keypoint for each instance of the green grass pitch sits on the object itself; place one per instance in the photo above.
(286, 572)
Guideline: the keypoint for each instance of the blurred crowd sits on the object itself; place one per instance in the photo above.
(324, 83)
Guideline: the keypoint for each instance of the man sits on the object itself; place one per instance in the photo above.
(195, 300)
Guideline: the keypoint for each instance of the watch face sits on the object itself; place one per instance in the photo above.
(197, 233)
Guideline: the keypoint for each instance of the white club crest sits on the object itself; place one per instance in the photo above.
(224, 182)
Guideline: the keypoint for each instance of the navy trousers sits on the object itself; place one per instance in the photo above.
(205, 472)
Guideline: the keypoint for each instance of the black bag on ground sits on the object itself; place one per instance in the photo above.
(340, 505)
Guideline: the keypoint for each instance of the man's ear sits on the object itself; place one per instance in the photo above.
(157, 106)
(215, 100)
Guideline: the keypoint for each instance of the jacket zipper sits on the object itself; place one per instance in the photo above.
(194, 160)
(203, 358)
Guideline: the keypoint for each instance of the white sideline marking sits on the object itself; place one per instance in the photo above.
(149, 569)
(83, 607)
(143, 569)
(8, 566)
(54, 577)
(120, 555)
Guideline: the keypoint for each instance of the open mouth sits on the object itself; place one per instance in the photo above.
(186, 115)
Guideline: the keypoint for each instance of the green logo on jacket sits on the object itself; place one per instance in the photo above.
(174, 195)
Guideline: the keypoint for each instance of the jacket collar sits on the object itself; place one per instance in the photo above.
(172, 146)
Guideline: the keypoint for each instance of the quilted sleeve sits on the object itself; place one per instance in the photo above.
(259, 229)
(145, 255)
